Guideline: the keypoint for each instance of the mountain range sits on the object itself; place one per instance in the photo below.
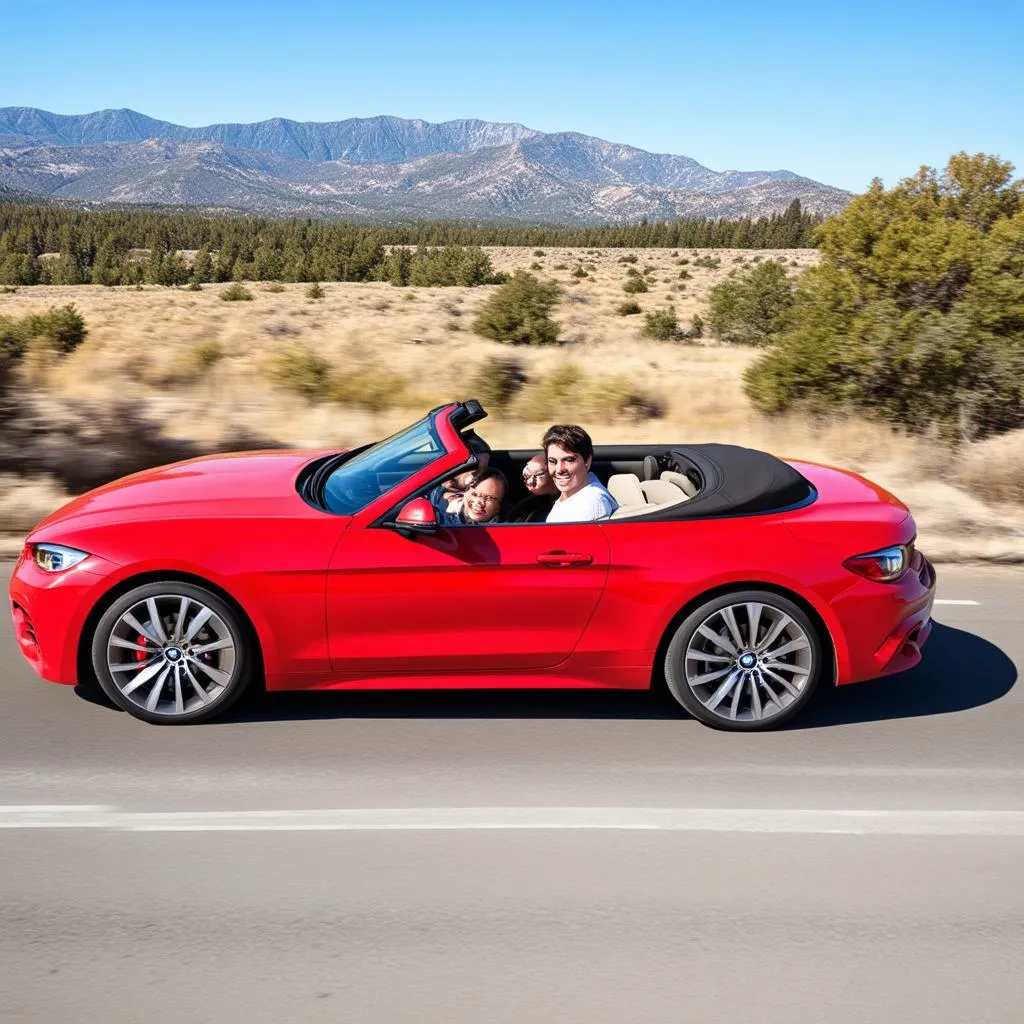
(377, 168)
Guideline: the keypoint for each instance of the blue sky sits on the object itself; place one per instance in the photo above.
(838, 92)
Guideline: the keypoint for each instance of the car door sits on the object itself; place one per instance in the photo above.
(502, 597)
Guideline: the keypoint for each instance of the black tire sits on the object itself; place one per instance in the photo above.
(202, 697)
(761, 685)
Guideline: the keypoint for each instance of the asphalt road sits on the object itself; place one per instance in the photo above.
(509, 857)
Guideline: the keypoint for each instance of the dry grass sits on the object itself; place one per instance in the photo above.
(204, 370)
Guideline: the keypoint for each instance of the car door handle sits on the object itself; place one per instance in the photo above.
(563, 559)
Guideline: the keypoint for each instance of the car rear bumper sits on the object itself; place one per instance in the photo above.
(887, 624)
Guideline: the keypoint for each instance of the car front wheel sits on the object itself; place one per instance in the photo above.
(171, 653)
(745, 661)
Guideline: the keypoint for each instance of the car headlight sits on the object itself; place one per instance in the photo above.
(56, 557)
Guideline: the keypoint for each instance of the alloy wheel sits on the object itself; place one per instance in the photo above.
(171, 655)
(748, 662)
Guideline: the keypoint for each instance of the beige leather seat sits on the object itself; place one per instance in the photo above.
(681, 480)
(657, 495)
(626, 490)
(660, 491)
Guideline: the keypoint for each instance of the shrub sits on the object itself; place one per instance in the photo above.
(206, 354)
(560, 266)
(683, 263)
(236, 292)
(497, 380)
(519, 312)
(708, 261)
(536, 266)
(60, 329)
(628, 308)
(662, 325)
(314, 291)
(619, 397)
(193, 286)
(274, 287)
(368, 387)
(538, 252)
(567, 387)
(915, 312)
(634, 286)
(628, 258)
(753, 307)
(696, 327)
(580, 273)
(301, 370)
(550, 397)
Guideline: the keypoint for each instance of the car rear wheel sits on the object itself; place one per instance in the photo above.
(745, 661)
(171, 653)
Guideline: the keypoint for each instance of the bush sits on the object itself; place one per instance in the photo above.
(274, 287)
(634, 286)
(696, 327)
(368, 387)
(579, 273)
(662, 325)
(538, 252)
(708, 261)
(628, 308)
(567, 387)
(236, 292)
(194, 286)
(301, 370)
(629, 258)
(684, 275)
(915, 313)
(519, 312)
(60, 329)
(753, 307)
(314, 291)
(560, 266)
(536, 266)
(497, 381)
(206, 354)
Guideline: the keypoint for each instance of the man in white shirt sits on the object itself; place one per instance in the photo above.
(581, 496)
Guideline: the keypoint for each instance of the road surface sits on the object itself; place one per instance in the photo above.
(489, 857)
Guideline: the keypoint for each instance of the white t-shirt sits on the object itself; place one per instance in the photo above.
(590, 502)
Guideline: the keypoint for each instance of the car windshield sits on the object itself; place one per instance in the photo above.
(368, 475)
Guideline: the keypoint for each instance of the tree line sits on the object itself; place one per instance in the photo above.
(121, 247)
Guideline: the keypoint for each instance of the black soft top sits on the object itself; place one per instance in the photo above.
(736, 481)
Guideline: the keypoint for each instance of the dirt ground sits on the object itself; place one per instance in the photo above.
(205, 368)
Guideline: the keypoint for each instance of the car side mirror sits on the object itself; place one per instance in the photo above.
(416, 516)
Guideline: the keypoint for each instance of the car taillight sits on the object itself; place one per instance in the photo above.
(883, 566)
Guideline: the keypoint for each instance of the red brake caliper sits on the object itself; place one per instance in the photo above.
(141, 655)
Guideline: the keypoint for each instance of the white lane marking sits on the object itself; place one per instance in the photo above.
(943, 600)
(796, 821)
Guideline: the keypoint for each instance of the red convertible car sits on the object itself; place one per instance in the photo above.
(741, 580)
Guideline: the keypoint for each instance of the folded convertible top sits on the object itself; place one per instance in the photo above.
(737, 481)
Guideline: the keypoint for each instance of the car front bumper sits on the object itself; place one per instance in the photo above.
(49, 611)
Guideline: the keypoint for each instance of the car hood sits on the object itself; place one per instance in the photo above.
(213, 485)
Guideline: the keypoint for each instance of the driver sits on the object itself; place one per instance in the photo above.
(481, 501)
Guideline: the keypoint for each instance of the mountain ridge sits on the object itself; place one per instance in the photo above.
(378, 168)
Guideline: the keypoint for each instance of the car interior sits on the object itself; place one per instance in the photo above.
(642, 479)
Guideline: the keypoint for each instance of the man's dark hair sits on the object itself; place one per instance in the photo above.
(490, 474)
(571, 437)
